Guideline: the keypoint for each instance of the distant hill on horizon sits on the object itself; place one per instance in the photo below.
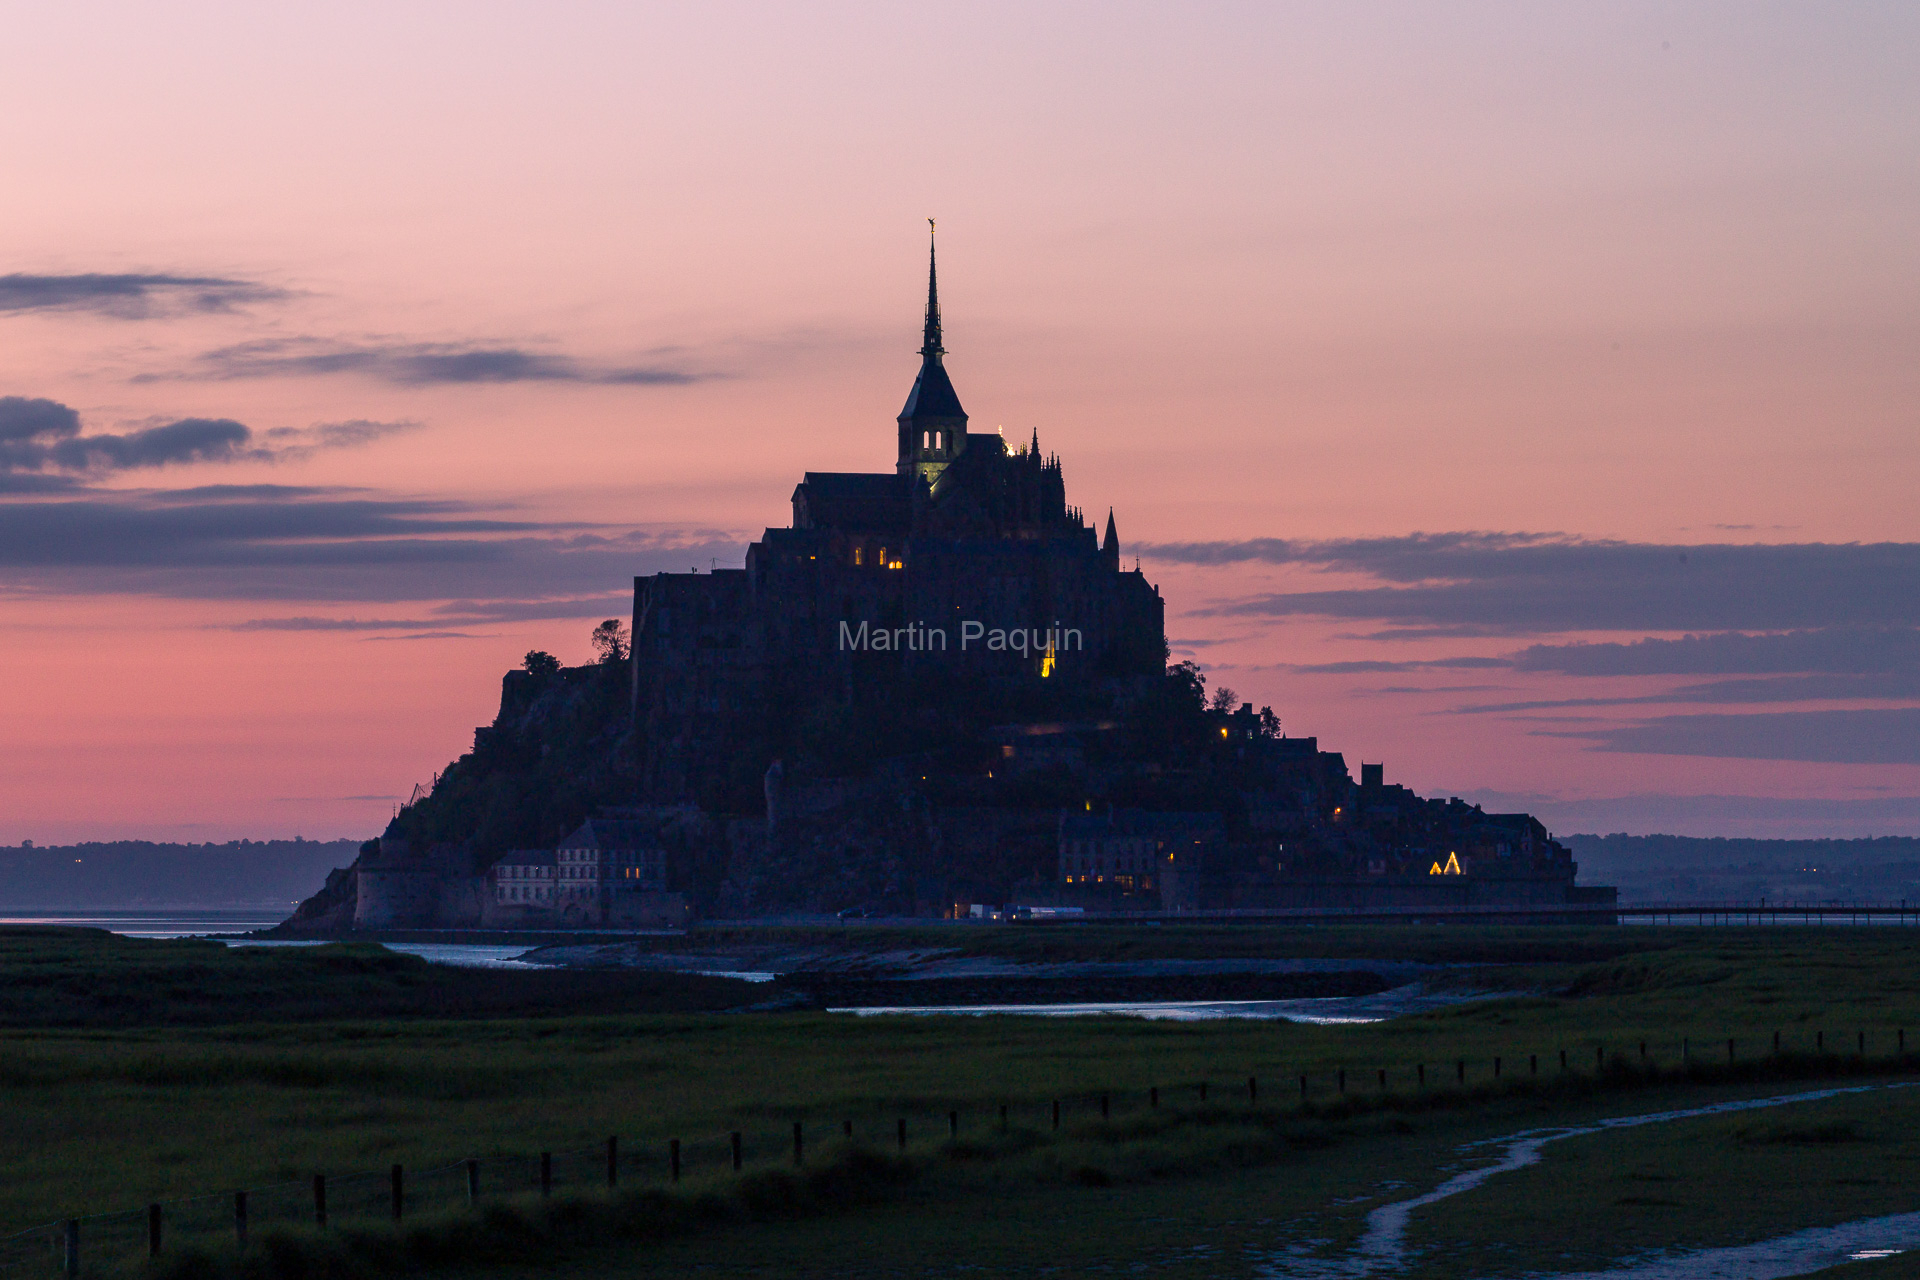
(119, 874)
(1743, 869)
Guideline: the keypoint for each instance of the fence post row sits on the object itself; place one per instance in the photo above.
(155, 1211)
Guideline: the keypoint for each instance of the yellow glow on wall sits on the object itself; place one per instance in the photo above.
(1451, 869)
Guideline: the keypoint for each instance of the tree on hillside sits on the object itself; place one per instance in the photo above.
(610, 641)
(540, 664)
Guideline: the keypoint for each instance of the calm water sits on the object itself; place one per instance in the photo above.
(158, 924)
(199, 924)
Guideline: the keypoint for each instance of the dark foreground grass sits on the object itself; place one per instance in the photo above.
(109, 1118)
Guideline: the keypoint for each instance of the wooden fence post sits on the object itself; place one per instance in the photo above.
(153, 1231)
(240, 1219)
(1253, 1091)
(1056, 1113)
(546, 1173)
(1460, 1071)
(953, 1124)
(735, 1136)
(1153, 1095)
(320, 1199)
(72, 1250)
(673, 1158)
(613, 1160)
(1106, 1107)
(397, 1177)
(901, 1129)
(473, 1184)
(1342, 1076)
(799, 1148)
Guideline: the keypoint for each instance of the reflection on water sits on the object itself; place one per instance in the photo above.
(465, 955)
(1322, 1010)
(158, 924)
(1382, 1248)
(1814, 1249)
(215, 922)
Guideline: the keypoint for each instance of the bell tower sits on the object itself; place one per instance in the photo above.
(933, 426)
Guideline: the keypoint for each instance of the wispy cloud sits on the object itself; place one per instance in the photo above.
(301, 544)
(129, 296)
(39, 439)
(415, 364)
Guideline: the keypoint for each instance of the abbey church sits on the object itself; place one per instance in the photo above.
(887, 575)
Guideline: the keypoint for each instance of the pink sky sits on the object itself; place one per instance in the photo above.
(1637, 277)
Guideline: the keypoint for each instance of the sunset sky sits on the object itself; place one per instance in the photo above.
(1524, 396)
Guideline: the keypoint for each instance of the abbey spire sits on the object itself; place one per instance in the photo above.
(933, 426)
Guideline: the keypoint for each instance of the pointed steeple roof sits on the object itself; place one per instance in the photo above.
(1112, 545)
(933, 395)
(930, 342)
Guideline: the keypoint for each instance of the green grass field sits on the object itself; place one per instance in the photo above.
(149, 1098)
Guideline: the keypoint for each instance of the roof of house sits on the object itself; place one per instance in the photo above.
(612, 833)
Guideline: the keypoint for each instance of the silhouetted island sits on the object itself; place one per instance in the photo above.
(936, 692)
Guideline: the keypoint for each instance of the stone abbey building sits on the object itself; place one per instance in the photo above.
(965, 559)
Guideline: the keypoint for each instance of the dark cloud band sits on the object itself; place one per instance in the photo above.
(1875, 736)
(416, 364)
(126, 296)
(1538, 583)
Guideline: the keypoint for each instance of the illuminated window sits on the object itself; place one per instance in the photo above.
(857, 553)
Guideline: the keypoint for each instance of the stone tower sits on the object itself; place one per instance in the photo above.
(933, 426)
